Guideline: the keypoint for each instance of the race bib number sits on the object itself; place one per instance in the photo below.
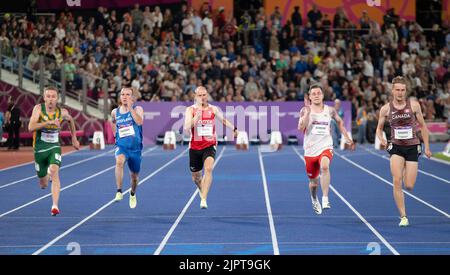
(205, 130)
(403, 133)
(126, 131)
(50, 137)
(320, 129)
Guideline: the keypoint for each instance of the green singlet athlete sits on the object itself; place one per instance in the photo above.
(45, 123)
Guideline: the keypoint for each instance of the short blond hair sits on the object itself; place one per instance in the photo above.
(200, 88)
(51, 88)
(399, 80)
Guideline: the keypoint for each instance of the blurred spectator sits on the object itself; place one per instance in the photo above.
(188, 24)
(276, 17)
(138, 18)
(13, 124)
(208, 24)
(33, 59)
(296, 19)
(361, 122)
(335, 131)
(166, 55)
(2, 123)
(314, 15)
(371, 127)
(221, 20)
(340, 20)
(390, 17)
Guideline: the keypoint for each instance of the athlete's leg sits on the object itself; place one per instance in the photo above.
(43, 182)
(411, 168)
(196, 166)
(325, 180)
(325, 175)
(134, 182)
(207, 176)
(56, 184)
(312, 167)
(134, 164)
(51, 172)
(397, 166)
(41, 163)
(197, 179)
(120, 161)
(313, 186)
(409, 178)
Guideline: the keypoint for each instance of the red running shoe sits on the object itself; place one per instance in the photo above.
(55, 211)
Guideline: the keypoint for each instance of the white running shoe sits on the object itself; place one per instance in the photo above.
(316, 206)
(403, 222)
(203, 204)
(325, 204)
(133, 201)
(118, 197)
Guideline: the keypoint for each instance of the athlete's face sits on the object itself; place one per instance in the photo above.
(316, 96)
(201, 96)
(51, 98)
(126, 96)
(399, 91)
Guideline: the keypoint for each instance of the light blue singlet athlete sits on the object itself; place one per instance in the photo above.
(129, 140)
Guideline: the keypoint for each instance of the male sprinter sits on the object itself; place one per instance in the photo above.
(127, 122)
(404, 116)
(200, 121)
(45, 123)
(315, 122)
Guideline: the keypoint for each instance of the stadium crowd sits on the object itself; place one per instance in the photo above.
(165, 55)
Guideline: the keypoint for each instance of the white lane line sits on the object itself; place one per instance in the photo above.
(62, 168)
(273, 233)
(213, 243)
(30, 162)
(45, 247)
(420, 171)
(379, 236)
(183, 212)
(438, 160)
(62, 189)
(404, 191)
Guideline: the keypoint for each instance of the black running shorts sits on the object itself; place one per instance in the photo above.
(197, 157)
(409, 153)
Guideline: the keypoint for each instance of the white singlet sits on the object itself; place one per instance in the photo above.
(318, 133)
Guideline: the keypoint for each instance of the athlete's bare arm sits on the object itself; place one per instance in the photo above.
(113, 122)
(73, 131)
(137, 114)
(423, 126)
(304, 118)
(340, 123)
(35, 125)
(218, 113)
(384, 111)
(189, 121)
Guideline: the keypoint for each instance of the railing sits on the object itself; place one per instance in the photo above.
(47, 72)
